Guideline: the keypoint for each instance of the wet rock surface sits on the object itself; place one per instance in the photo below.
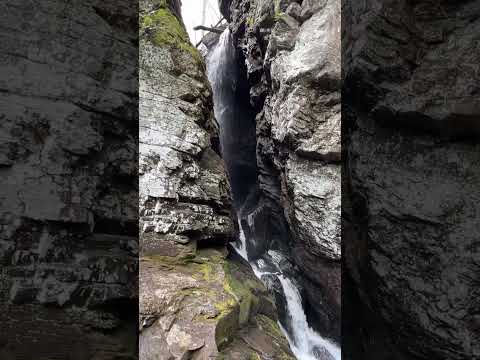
(412, 160)
(196, 302)
(68, 170)
(292, 54)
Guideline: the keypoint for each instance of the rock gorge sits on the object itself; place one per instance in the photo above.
(291, 52)
(197, 299)
(309, 183)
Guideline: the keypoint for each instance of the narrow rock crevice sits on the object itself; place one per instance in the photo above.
(263, 203)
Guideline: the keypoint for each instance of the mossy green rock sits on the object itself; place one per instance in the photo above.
(208, 305)
(261, 339)
(164, 29)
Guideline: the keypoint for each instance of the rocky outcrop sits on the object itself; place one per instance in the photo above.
(292, 52)
(411, 213)
(200, 304)
(68, 169)
(195, 301)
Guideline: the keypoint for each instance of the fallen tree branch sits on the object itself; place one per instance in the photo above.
(210, 29)
(218, 23)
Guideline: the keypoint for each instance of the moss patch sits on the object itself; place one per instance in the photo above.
(165, 30)
(254, 356)
(207, 270)
(169, 262)
(270, 327)
(279, 16)
(227, 325)
(250, 21)
(243, 290)
(278, 13)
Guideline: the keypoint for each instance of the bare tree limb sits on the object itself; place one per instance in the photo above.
(217, 24)
(210, 29)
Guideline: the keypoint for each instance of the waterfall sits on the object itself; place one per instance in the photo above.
(222, 73)
(237, 130)
(240, 246)
(305, 342)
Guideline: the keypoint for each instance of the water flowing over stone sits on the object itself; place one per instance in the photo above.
(235, 117)
(269, 265)
(291, 51)
(306, 343)
(222, 73)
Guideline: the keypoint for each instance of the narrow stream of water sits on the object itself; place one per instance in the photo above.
(305, 343)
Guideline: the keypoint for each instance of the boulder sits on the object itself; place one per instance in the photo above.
(204, 304)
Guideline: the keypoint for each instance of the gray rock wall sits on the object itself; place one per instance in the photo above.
(184, 194)
(292, 52)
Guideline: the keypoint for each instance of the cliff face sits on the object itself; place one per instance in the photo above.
(184, 194)
(292, 53)
(68, 171)
(196, 301)
(411, 215)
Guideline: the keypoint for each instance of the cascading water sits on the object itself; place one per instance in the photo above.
(237, 143)
(305, 343)
(235, 117)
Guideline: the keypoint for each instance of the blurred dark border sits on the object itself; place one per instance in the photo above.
(68, 179)
(411, 179)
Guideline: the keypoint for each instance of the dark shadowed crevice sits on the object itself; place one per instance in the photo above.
(264, 238)
(236, 118)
